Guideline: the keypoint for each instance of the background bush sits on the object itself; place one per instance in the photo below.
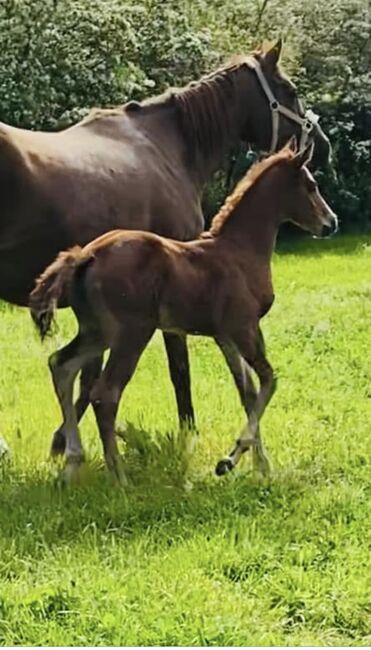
(61, 57)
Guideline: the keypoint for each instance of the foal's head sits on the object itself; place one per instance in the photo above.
(302, 201)
(280, 186)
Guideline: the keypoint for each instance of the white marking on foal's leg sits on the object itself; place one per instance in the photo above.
(4, 449)
(63, 377)
(249, 439)
(260, 458)
(246, 440)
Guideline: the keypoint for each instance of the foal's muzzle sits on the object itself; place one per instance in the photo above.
(328, 230)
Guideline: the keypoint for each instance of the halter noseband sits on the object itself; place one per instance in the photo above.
(307, 122)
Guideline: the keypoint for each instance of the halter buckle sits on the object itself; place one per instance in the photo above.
(312, 117)
(307, 126)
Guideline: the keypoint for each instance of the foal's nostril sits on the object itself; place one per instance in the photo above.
(326, 231)
(329, 230)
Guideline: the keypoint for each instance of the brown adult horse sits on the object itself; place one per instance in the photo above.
(124, 285)
(140, 166)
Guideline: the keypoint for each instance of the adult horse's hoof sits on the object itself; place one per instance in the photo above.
(223, 467)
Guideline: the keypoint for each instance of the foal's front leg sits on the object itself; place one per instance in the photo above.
(247, 392)
(255, 404)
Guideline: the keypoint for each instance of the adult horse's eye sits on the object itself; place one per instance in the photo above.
(292, 92)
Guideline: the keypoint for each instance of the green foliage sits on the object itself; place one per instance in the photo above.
(202, 561)
(61, 57)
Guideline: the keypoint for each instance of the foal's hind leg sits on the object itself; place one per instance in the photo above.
(255, 406)
(108, 389)
(89, 374)
(64, 366)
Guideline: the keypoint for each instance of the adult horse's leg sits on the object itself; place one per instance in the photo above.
(64, 366)
(89, 374)
(107, 391)
(177, 354)
(250, 434)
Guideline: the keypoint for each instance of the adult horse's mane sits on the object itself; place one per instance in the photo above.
(246, 183)
(203, 107)
(206, 109)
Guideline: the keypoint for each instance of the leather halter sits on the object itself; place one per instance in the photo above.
(307, 122)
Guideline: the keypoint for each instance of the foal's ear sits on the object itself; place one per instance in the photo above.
(272, 57)
(304, 156)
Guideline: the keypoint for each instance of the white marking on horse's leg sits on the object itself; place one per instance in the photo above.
(260, 458)
(243, 443)
(255, 406)
(250, 436)
(245, 386)
(64, 375)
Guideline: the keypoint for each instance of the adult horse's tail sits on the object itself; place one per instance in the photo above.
(52, 284)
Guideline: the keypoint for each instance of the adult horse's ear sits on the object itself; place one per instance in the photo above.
(304, 156)
(273, 55)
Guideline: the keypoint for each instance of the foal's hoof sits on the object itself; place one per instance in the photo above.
(59, 444)
(4, 449)
(223, 467)
(71, 473)
(261, 463)
(116, 468)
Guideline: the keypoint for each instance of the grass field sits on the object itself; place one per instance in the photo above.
(181, 557)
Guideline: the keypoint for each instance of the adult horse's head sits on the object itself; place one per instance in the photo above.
(276, 112)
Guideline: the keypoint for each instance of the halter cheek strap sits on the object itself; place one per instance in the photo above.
(307, 122)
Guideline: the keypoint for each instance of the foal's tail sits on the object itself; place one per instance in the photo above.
(52, 284)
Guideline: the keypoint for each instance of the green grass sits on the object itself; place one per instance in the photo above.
(181, 557)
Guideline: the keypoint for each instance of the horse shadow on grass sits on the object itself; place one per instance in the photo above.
(166, 498)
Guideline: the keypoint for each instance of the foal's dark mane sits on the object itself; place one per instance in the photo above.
(247, 183)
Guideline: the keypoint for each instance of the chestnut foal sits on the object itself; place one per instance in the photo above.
(125, 284)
